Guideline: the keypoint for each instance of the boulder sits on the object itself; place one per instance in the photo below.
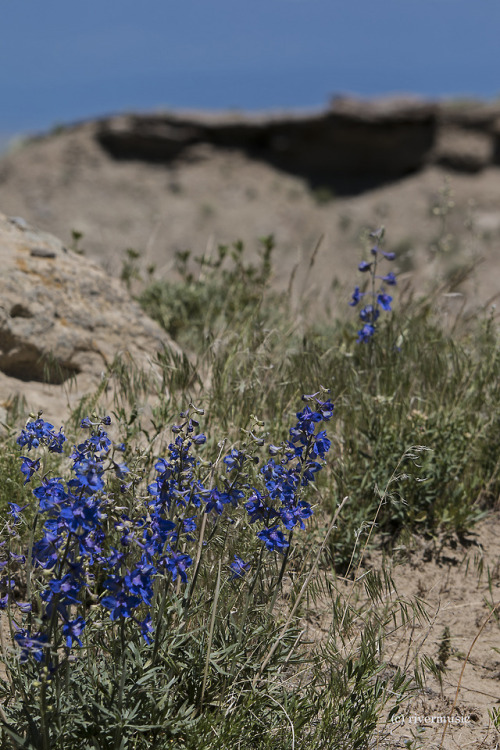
(62, 321)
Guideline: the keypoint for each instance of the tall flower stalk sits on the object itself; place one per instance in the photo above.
(377, 294)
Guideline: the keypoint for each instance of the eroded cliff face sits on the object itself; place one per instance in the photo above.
(351, 141)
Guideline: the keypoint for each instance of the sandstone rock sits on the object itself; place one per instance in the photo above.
(380, 139)
(469, 114)
(62, 317)
(352, 139)
(464, 150)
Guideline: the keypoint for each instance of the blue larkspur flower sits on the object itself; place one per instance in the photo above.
(257, 509)
(68, 586)
(307, 422)
(50, 493)
(121, 470)
(239, 567)
(384, 301)
(295, 514)
(140, 582)
(274, 450)
(120, 605)
(199, 439)
(273, 538)
(97, 442)
(119, 601)
(40, 432)
(369, 314)
(28, 467)
(189, 525)
(30, 645)
(356, 296)
(154, 538)
(215, 502)
(325, 408)
(45, 550)
(389, 278)
(88, 471)
(72, 630)
(234, 460)
(366, 333)
(16, 510)
(177, 564)
(321, 444)
(146, 627)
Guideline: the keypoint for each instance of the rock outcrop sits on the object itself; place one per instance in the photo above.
(378, 140)
(62, 317)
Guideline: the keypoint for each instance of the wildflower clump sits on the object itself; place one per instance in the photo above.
(379, 298)
(102, 547)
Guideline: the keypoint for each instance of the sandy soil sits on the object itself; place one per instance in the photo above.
(458, 584)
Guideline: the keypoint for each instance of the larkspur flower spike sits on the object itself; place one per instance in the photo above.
(380, 300)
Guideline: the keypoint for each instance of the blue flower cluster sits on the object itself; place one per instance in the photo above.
(72, 532)
(276, 506)
(280, 505)
(380, 300)
(39, 432)
(92, 549)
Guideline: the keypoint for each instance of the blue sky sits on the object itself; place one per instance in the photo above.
(62, 61)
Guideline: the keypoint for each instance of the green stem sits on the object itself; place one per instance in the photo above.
(123, 644)
(158, 625)
(55, 601)
(281, 574)
(210, 636)
(299, 597)
(43, 715)
(29, 561)
(245, 611)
